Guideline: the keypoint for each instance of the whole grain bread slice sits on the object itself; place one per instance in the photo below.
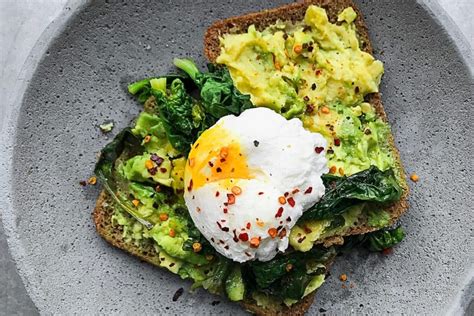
(295, 12)
(113, 233)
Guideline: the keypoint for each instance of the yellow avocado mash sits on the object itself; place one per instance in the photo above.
(289, 67)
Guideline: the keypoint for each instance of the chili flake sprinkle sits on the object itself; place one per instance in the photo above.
(92, 180)
(230, 198)
(308, 190)
(157, 159)
(279, 212)
(343, 277)
(256, 143)
(414, 177)
(282, 200)
(291, 201)
(248, 225)
(282, 233)
(318, 150)
(254, 242)
(172, 233)
(218, 169)
(83, 183)
(333, 169)
(244, 236)
(337, 142)
(260, 193)
(197, 247)
(163, 217)
(236, 190)
(190, 186)
(147, 139)
(217, 193)
(325, 110)
(149, 164)
(272, 232)
(163, 170)
(135, 202)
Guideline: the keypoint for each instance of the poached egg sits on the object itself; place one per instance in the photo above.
(249, 178)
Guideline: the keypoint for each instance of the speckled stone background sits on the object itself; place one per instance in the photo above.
(80, 82)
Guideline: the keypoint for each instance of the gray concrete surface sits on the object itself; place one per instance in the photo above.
(21, 23)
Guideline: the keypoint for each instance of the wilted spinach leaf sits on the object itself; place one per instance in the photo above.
(219, 96)
(287, 275)
(175, 110)
(374, 241)
(341, 192)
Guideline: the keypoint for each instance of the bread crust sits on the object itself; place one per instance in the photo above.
(292, 12)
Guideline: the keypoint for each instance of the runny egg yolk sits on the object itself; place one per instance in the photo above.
(215, 156)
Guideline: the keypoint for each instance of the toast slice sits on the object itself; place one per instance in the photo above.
(113, 234)
(295, 12)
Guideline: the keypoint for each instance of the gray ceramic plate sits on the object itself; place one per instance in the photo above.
(80, 82)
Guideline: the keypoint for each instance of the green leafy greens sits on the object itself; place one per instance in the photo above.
(372, 185)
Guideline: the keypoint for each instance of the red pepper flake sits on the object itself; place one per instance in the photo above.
(282, 233)
(210, 164)
(308, 190)
(236, 190)
(295, 191)
(260, 193)
(221, 241)
(157, 159)
(282, 200)
(223, 220)
(212, 239)
(230, 198)
(217, 193)
(226, 247)
(286, 194)
(309, 109)
(163, 170)
(225, 210)
(236, 239)
(291, 201)
(219, 224)
(319, 150)
(222, 160)
(225, 229)
(153, 170)
(244, 236)
(190, 186)
(224, 152)
(272, 232)
(333, 169)
(254, 242)
(318, 72)
(83, 183)
(247, 254)
(288, 219)
(198, 209)
(191, 162)
(279, 212)
(307, 230)
(300, 240)
(337, 142)
(387, 251)
(218, 169)
(248, 225)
